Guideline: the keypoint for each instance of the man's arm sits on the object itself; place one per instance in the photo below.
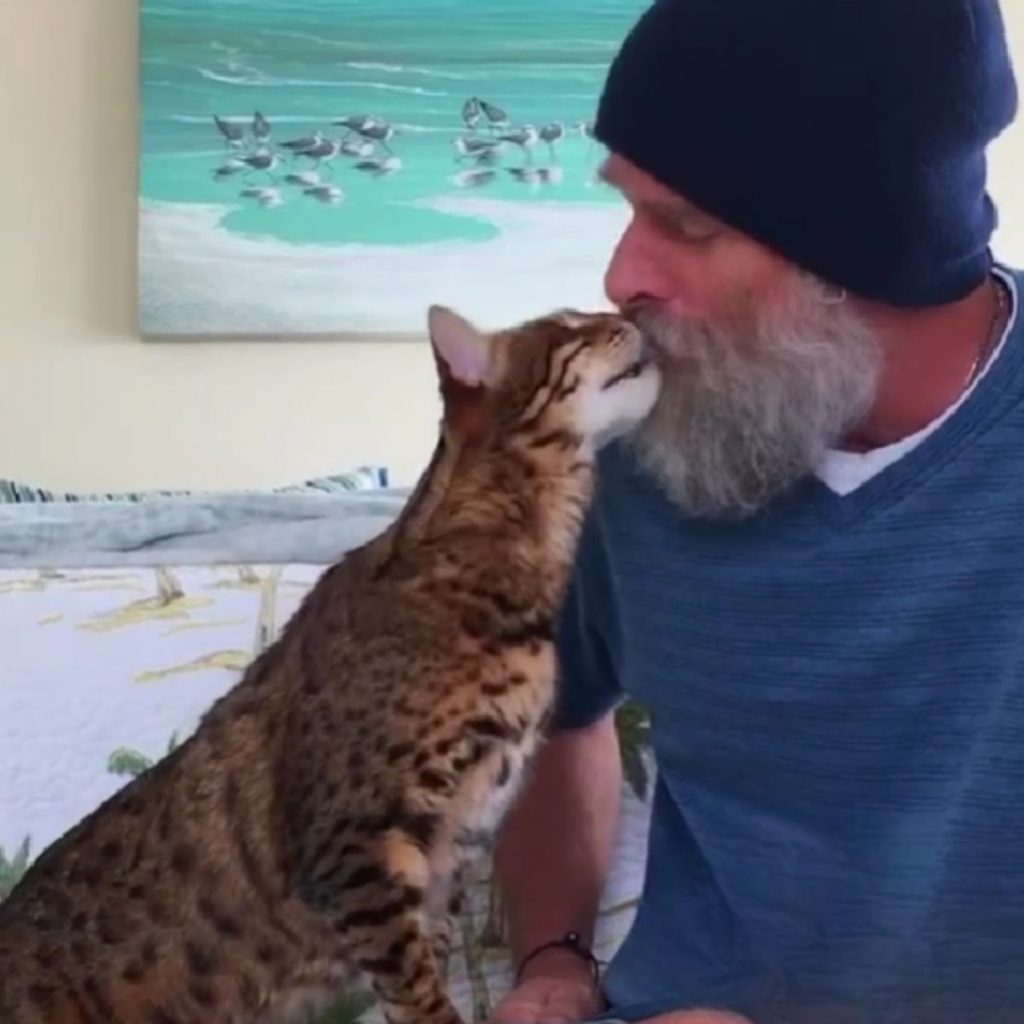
(551, 861)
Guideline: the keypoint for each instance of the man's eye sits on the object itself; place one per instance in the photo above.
(690, 228)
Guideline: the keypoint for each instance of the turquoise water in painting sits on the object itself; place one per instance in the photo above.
(409, 63)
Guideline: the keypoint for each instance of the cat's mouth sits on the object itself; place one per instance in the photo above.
(633, 370)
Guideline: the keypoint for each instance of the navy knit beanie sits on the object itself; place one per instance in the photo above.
(847, 135)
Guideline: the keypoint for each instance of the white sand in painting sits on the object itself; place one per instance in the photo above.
(196, 277)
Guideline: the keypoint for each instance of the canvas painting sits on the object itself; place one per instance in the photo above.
(314, 167)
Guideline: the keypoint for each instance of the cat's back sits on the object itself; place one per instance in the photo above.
(396, 644)
(440, 598)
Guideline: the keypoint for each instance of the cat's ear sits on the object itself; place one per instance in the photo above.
(462, 351)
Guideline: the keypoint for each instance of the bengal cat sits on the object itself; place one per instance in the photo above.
(315, 824)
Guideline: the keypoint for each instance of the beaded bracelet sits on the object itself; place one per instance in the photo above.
(570, 941)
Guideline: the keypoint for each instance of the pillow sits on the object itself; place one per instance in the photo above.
(363, 478)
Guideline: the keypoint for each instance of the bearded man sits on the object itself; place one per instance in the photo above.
(808, 562)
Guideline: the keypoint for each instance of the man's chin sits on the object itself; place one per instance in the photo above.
(718, 484)
(744, 416)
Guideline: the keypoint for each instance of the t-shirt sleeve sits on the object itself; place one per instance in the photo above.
(588, 639)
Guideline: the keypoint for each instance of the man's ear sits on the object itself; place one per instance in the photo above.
(462, 352)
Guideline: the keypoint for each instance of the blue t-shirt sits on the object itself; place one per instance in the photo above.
(836, 690)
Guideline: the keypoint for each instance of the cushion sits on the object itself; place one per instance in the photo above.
(363, 478)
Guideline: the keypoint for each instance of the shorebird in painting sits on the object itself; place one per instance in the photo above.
(233, 132)
(299, 146)
(323, 152)
(481, 149)
(378, 131)
(264, 196)
(264, 160)
(261, 130)
(471, 113)
(357, 122)
(325, 193)
(357, 147)
(379, 167)
(308, 179)
(474, 178)
(551, 134)
(229, 170)
(535, 176)
(496, 117)
(525, 137)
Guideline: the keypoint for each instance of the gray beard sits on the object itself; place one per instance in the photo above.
(744, 415)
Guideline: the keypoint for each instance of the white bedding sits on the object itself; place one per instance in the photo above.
(103, 666)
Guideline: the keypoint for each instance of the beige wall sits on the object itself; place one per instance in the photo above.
(83, 402)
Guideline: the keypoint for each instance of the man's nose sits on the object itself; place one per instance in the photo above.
(634, 275)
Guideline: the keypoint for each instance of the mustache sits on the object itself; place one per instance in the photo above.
(643, 314)
(674, 335)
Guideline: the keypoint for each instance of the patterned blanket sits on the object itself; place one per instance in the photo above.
(105, 669)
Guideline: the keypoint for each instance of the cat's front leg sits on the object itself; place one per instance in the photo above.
(445, 903)
(399, 953)
(378, 908)
(444, 926)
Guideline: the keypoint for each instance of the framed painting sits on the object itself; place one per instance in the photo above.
(331, 167)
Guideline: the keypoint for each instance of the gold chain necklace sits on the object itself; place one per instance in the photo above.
(994, 332)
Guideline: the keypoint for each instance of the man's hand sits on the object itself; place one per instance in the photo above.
(556, 988)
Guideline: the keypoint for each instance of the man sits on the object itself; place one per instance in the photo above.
(808, 564)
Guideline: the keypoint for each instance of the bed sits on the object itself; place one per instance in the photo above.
(123, 617)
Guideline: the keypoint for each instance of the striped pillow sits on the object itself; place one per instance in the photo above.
(364, 478)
